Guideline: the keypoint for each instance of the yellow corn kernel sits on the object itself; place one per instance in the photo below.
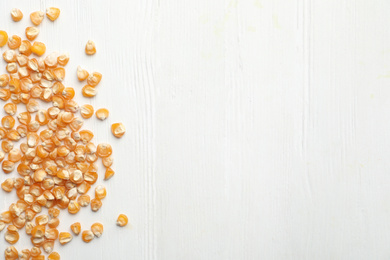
(38, 48)
(37, 17)
(8, 122)
(90, 48)
(15, 155)
(109, 173)
(11, 253)
(3, 38)
(102, 113)
(84, 200)
(12, 235)
(96, 204)
(104, 150)
(6, 217)
(88, 91)
(82, 74)
(97, 229)
(32, 33)
(73, 207)
(63, 59)
(16, 14)
(86, 111)
(48, 246)
(51, 233)
(122, 220)
(76, 228)
(59, 74)
(10, 108)
(25, 47)
(14, 42)
(52, 13)
(4, 80)
(9, 56)
(8, 185)
(107, 161)
(54, 256)
(86, 136)
(12, 67)
(94, 79)
(35, 251)
(42, 219)
(40, 257)
(25, 254)
(53, 223)
(54, 212)
(65, 237)
(87, 236)
(118, 129)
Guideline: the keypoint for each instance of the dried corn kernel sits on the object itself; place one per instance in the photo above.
(16, 15)
(76, 228)
(104, 150)
(122, 220)
(37, 17)
(90, 48)
(88, 91)
(96, 204)
(38, 48)
(118, 129)
(54, 256)
(53, 13)
(102, 113)
(94, 79)
(35, 251)
(86, 111)
(97, 229)
(87, 236)
(11, 253)
(14, 42)
(82, 74)
(3, 38)
(32, 33)
(25, 47)
(65, 237)
(12, 235)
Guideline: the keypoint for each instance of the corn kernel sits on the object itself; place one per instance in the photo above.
(104, 150)
(122, 220)
(86, 111)
(38, 48)
(53, 13)
(11, 253)
(14, 42)
(118, 129)
(97, 229)
(3, 38)
(102, 113)
(12, 235)
(90, 48)
(25, 47)
(54, 256)
(88, 91)
(37, 17)
(32, 33)
(96, 204)
(87, 236)
(16, 15)
(65, 237)
(35, 251)
(63, 59)
(94, 79)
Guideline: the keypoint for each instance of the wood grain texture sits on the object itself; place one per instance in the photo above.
(256, 129)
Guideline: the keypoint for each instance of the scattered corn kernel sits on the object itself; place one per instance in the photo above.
(102, 113)
(14, 42)
(118, 129)
(53, 13)
(90, 48)
(65, 237)
(88, 91)
(54, 256)
(122, 220)
(82, 74)
(32, 33)
(97, 229)
(86, 111)
(37, 17)
(11, 253)
(16, 14)
(87, 236)
(38, 48)
(3, 38)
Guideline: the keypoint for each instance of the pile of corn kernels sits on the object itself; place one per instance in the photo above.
(56, 159)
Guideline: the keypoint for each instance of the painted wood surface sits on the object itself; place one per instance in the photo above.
(256, 129)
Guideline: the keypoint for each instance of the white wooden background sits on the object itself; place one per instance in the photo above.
(256, 129)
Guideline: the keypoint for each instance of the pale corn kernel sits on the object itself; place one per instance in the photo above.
(104, 150)
(65, 237)
(86, 111)
(35, 251)
(84, 200)
(48, 246)
(63, 59)
(12, 67)
(118, 129)
(54, 256)
(51, 233)
(53, 212)
(37, 17)
(25, 47)
(51, 60)
(88, 91)
(97, 229)
(102, 113)
(82, 74)
(3, 38)
(32, 33)
(107, 161)
(15, 155)
(96, 204)
(21, 59)
(90, 48)
(94, 79)
(38, 48)
(4, 80)
(122, 220)
(16, 15)
(109, 173)
(12, 235)
(25, 254)
(76, 228)
(87, 236)
(8, 122)
(42, 219)
(14, 42)
(8, 185)
(11, 253)
(52, 13)
(86, 136)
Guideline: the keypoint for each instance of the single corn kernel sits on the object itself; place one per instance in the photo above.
(16, 15)
(82, 74)
(97, 229)
(4, 80)
(100, 192)
(11, 253)
(37, 17)
(96, 204)
(118, 129)
(109, 173)
(10, 108)
(104, 150)
(32, 33)
(94, 79)
(48, 246)
(14, 42)
(54, 212)
(73, 207)
(88, 91)
(8, 185)
(3, 38)
(25, 254)
(83, 200)
(35, 251)
(87, 236)
(53, 223)
(25, 47)
(122, 220)
(90, 48)
(51, 233)
(38, 48)
(52, 13)
(54, 256)
(12, 235)
(63, 59)
(65, 237)
(102, 113)
(76, 228)
(86, 111)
